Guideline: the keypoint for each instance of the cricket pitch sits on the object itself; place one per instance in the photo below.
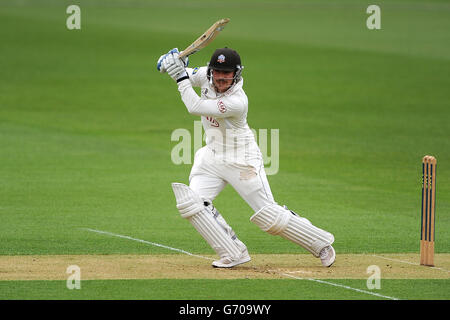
(176, 266)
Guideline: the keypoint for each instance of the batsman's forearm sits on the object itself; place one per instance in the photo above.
(194, 104)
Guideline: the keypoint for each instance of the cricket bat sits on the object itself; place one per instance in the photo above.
(207, 37)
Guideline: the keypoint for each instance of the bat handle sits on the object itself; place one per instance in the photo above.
(182, 55)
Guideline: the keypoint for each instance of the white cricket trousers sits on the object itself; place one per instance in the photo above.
(210, 174)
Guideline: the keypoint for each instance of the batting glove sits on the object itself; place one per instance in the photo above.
(175, 67)
(159, 64)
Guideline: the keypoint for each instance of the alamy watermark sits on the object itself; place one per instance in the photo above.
(374, 280)
(373, 22)
(73, 21)
(183, 152)
(74, 279)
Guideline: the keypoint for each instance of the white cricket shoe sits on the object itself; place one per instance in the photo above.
(327, 256)
(228, 262)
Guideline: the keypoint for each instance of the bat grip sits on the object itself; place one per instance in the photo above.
(182, 54)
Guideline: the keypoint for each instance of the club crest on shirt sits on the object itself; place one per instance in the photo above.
(221, 106)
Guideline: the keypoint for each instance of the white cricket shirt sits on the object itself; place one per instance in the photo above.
(224, 118)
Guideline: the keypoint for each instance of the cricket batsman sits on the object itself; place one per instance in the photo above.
(231, 156)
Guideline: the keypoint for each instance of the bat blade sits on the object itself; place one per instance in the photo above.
(207, 37)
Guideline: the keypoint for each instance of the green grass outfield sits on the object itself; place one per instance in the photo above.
(86, 121)
(235, 289)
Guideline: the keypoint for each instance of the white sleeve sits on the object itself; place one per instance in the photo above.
(197, 76)
(224, 107)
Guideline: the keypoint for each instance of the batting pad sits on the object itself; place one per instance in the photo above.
(277, 220)
(192, 207)
(225, 226)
